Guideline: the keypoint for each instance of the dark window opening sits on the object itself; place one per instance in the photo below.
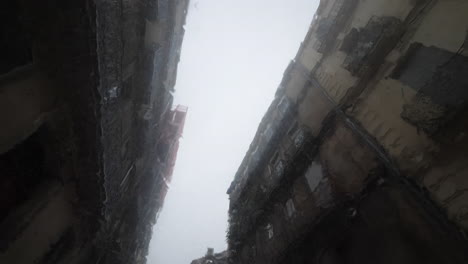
(124, 150)
(366, 47)
(127, 85)
(293, 129)
(163, 150)
(15, 41)
(275, 158)
(350, 41)
(22, 171)
(439, 77)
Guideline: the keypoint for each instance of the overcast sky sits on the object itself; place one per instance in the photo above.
(233, 58)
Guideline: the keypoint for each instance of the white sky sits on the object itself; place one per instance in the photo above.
(233, 58)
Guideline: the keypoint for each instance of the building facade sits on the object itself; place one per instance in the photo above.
(85, 89)
(360, 157)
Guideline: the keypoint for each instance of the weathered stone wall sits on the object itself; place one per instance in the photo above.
(376, 88)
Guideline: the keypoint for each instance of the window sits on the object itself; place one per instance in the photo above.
(299, 138)
(283, 106)
(290, 208)
(23, 170)
(279, 169)
(268, 134)
(127, 88)
(270, 232)
(439, 79)
(293, 129)
(275, 158)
